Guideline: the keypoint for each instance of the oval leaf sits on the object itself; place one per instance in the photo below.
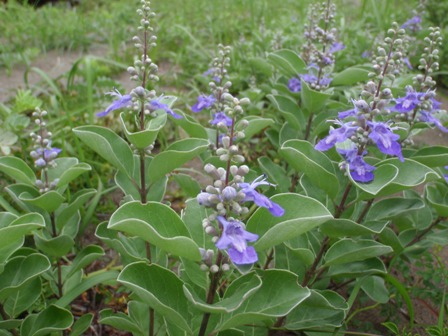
(277, 296)
(238, 291)
(158, 224)
(288, 62)
(349, 250)
(51, 319)
(302, 214)
(350, 76)
(175, 156)
(49, 201)
(159, 288)
(17, 169)
(302, 156)
(145, 138)
(108, 145)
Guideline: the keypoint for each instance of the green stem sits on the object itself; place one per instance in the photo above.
(59, 283)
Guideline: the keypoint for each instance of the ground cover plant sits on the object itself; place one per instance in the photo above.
(281, 193)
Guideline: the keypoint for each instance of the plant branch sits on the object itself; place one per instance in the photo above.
(211, 294)
(420, 236)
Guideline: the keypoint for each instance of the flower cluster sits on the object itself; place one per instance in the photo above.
(419, 103)
(318, 49)
(219, 102)
(141, 100)
(370, 121)
(43, 154)
(228, 196)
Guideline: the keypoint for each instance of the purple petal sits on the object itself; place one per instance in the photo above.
(121, 102)
(248, 256)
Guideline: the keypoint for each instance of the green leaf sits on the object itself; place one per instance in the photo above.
(404, 293)
(158, 224)
(120, 321)
(392, 207)
(433, 156)
(289, 109)
(17, 169)
(321, 309)
(188, 184)
(357, 268)
(384, 175)
(108, 145)
(8, 325)
(19, 226)
(350, 76)
(287, 62)
(313, 101)
(130, 248)
(349, 250)
(437, 196)
(83, 258)
(238, 291)
(190, 125)
(66, 170)
(159, 288)
(275, 173)
(48, 201)
(256, 124)
(304, 158)
(410, 174)
(261, 65)
(145, 138)
(175, 156)
(192, 216)
(20, 270)
(341, 227)
(66, 212)
(277, 296)
(105, 277)
(81, 325)
(23, 297)
(55, 246)
(375, 288)
(51, 319)
(302, 214)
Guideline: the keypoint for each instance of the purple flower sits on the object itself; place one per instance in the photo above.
(436, 105)
(234, 238)
(260, 199)
(294, 84)
(407, 62)
(203, 102)
(156, 104)
(359, 105)
(366, 54)
(50, 153)
(360, 171)
(428, 117)
(337, 135)
(221, 117)
(336, 46)
(445, 175)
(409, 102)
(386, 141)
(120, 102)
(413, 23)
(212, 71)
